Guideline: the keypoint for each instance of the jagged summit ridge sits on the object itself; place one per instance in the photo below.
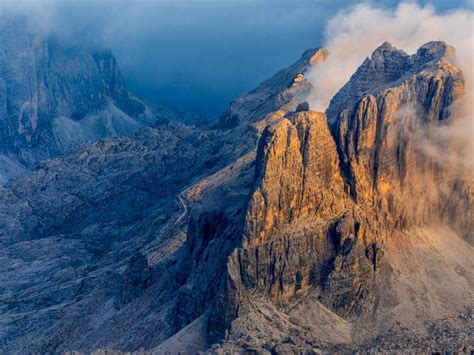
(330, 204)
(380, 119)
(433, 52)
(285, 88)
(428, 54)
(388, 67)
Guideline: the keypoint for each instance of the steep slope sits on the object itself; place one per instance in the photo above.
(312, 242)
(68, 230)
(309, 242)
(383, 129)
(299, 191)
(285, 88)
(54, 96)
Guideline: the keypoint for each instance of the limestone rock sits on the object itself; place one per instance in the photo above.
(304, 106)
(389, 67)
(136, 278)
(381, 121)
(297, 175)
(284, 88)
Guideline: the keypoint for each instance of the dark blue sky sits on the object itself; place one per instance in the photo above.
(197, 55)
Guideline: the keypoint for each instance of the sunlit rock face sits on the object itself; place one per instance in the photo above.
(371, 170)
(297, 174)
(383, 122)
(330, 195)
(389, 67)
(300, 225)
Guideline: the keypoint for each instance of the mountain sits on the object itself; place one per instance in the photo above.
(382, 130)
(55, 96)
(285, 88)
(340, 218)
(275, 230)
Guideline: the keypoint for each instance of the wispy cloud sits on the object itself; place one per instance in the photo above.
(354, 33)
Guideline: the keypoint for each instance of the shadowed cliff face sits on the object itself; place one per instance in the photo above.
(54, 97)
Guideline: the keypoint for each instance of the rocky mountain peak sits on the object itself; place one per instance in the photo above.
(285, 88)
(379, 119)
(433, 52)
(389, 67)
(385, 49)
(330, 201)
(55, 96)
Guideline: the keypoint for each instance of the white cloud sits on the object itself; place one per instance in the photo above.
(353, 34)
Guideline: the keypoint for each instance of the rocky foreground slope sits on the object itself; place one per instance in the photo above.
(277, 229)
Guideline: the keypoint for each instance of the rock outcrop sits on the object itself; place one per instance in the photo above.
(136, 278)
(329, 197)
(286, 88)
(301, 230)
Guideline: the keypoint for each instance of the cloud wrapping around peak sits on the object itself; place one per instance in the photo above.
(353, 34)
